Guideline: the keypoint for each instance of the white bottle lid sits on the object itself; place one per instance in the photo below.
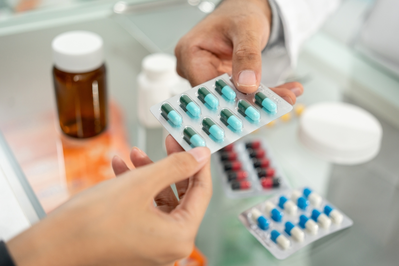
(340, 133)
(78, 51)
(159, 66)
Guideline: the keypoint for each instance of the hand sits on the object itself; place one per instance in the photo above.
(116, 222)
(230, 40)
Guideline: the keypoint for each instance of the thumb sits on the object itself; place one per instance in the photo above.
(247, 60)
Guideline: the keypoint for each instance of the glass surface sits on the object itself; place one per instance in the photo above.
(368, 193)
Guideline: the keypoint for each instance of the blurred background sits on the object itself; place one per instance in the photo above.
(353, 58)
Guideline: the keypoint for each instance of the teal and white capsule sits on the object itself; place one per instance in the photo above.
(212, 129)
(171, 115)
(248, 110)
(193, 138)
(187, 104)
(225, 90)
(206, 97)
(231, 120)
(264, 102)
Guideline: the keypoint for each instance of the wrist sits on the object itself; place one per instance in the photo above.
(263, 5)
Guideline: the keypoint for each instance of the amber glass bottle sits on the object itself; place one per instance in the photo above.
(80, 84)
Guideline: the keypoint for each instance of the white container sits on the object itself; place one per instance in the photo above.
(155, 84)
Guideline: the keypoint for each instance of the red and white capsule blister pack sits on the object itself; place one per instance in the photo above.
(292, 220)
(247, 168)
(215, 114)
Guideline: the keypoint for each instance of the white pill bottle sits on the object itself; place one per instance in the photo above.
(156, 82)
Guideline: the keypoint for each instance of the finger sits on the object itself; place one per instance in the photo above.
(166, 199)
(295, 87)
(118, 165)
(196, 200)
(176, 167)
(286, 94)
(171, 147)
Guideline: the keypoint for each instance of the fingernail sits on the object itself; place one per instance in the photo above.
(297, 91)
(247, 78)
(200, 154)
(139, 152)
(117, 158)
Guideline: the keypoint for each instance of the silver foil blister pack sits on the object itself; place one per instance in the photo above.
(191, 129)
(295, 229)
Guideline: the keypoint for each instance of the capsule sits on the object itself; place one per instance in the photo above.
(321, 218)
(287, 205)
(171, 115)
(264, 102)
(268, 172)
(268, 182)
(294, 231)
(335, 215)
(271, 209)
(279, 239)
(248, 111)
(189, 106)
(223, 89)
(228, 148)
(235, 166)
(253, 145)
(231, 120)
(212, 129)
(263, 163)
(259, 153)
(207, 98)
(301, 201)
(313, 197)
(228, 156)
(308, 224)
(193, 138)
(237, 175)
(262, 222)
(240, 185)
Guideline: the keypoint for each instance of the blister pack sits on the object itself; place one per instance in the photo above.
(292, 220)
(248, 168)
(215, 114)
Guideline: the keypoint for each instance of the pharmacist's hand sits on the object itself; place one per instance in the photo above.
(166, 199)
(230, 40)
(116, 223)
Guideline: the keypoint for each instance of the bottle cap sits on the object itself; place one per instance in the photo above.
(78, 51)
(340, 133)
(159, 66)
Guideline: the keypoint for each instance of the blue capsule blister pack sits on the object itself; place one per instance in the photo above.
(215, 114)
(292, 220)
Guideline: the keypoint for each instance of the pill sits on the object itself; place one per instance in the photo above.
(248, 111)
(268, 172)
(235, 166)
(253, 145)
(188, 105)
(259, 153)
(225, 90)
(286, 117)
(308, 224)
(279, 239)
(206, 97)
(299, 108)
(263, 163)
(228, 156)
(171, 115)
(265, 102)
(271, 209)
(321, 218)
(231, 120)
(228, 148)
(287, 205)
(301, 201)
(240, 185)
(335, 215)
(212, 129)
(259, 219)
(237, 175)
(269, 182)
(294, 231)
(313, 197)
(193, 138)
